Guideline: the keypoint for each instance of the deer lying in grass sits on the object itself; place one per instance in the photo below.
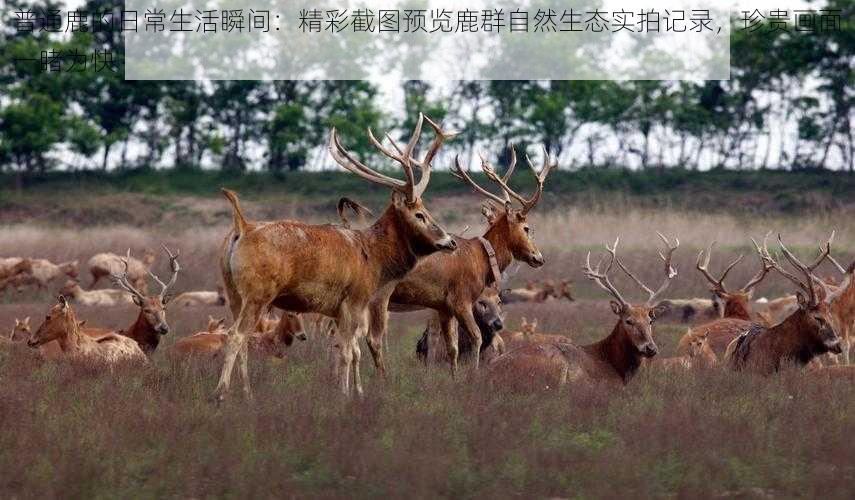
(451, 283)
(103, 298)
(201, 298)
(687, 310)
(329, 269)
(13, 266)
(699, 354)
(529, 293)
(613, 359)
(528, 334)
(487, 311)
(104, 265)
(62, 326)
(843, 306)
(271, 343)
(41, 273)
(733, 305)
(802, 336)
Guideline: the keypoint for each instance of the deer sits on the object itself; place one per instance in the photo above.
(526, 294)
(12, 266)
(687, 310)
(61, 325)
(528, 334)
(271, 343)
(328, 269)
(487, 312)
(103, 298)
(805, 334)
(201, 298)
(42, 273)
(451, 283)
(843, 306)
(616, 358)
(104, 265)
(21, 330)
(733, 305)
(699, 354)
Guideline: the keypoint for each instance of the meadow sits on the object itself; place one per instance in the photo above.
(146, 432)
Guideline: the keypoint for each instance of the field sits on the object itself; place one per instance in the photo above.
(69, 431)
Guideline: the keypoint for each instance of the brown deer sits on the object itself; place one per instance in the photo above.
(733, 305)
(451, 283)
(41, 274)
(61, 325)
(151, 323)
(12, 266)
(104, 265)
(271, 343)
(21, 331)
(526, 294)
(805, 334)
(699, 354)
(613, 359)
(528, 334)
(431, 347)
(687, 310)
(329, 269)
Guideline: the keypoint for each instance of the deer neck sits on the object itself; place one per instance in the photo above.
(499, 241)
(73, 340)
(619, 352)
(736, 308)
(387, 245)
(143, 334)
(791, 340)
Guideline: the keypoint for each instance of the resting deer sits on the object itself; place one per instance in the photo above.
(62, 326)
(699, 354)
(104, 298)
(451, 283)
(613, 359)
(329, 269)
(733, 305)
(687, 310)
(843, 306)
(201, 298)
(270, 343)
(21, 331)
(528, 334)
(104, 265)
(42, 273)
(805, 334)
(12, 266)
(487, 312)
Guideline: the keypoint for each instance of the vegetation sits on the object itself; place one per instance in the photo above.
(788, 104)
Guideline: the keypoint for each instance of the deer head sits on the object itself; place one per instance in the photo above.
(508, 222)
(21, 330)
(488, 315)
(215, 325)
(723, 299)
(814, 315)
(635, 323)
(411, 216)
(59, 321)
(528, 328)
(152, 307)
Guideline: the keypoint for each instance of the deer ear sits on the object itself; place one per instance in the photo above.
(63, 301)
(616, 308)
(800, 298)
(81, 323)
(489, 212)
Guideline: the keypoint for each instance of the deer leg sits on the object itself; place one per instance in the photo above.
(346, 335)
(243, 325)
(466, 320)
(377, 327)
(448, 327)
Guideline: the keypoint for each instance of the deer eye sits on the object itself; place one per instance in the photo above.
(420, 216)
(630, 322)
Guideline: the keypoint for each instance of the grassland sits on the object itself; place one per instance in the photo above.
(149, 432)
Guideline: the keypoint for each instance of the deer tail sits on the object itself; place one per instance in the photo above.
(239, 219)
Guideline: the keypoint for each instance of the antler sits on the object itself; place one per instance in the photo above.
(602, 278)
(765, 264)
(173, 263)
(404, 157)
(704, 268)
(122, 279)
(490, 171)
(670, 272)
(806, 285)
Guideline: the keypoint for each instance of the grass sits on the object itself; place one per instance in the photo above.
(150, 432)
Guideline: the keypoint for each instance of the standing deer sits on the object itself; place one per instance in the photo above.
(733, 305)
(62, 326)
(329, 269)
(805, 334)
(613, 359)
(450, 284)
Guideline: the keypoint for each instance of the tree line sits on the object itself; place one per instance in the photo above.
(787, 105)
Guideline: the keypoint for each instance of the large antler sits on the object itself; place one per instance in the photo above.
(718, 284)
(404, 157)
(670, 272)
(122, 279)
(807, 284)
(602, 277)
(490, 171)
(173, 263)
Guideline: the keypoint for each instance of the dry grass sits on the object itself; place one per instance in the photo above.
(151, 432)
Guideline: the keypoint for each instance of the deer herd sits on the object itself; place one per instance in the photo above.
(406, 261)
